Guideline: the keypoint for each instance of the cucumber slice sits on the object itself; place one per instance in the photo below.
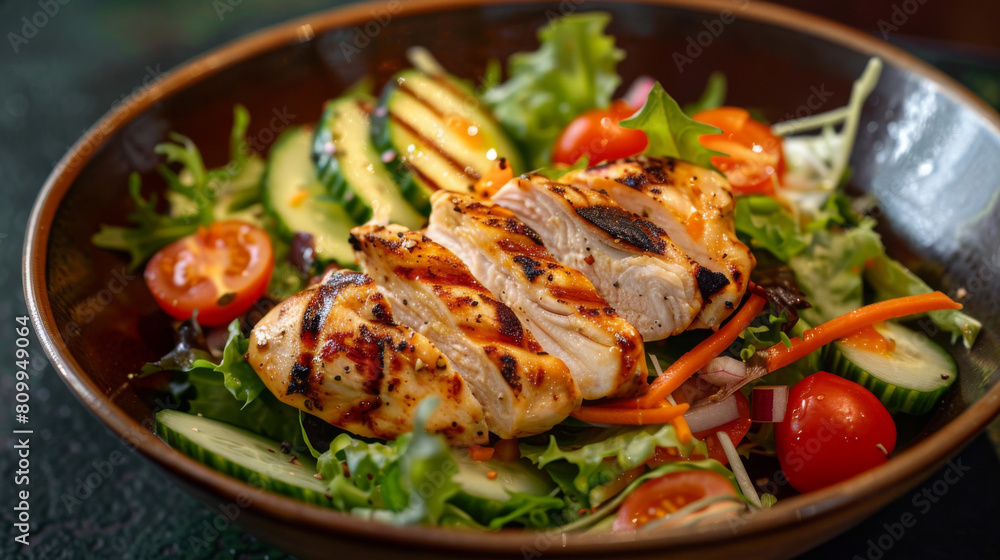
(352, 169)
(494, 479)
(442, 134)
(241, 454)
(294, 195)
(912, 379)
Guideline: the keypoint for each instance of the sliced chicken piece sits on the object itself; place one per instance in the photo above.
(523, 390)
(335, 351)
(558, 304)
(695, 207)
(633, 263)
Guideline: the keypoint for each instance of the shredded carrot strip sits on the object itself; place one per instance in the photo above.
(629, 416)
(689, 364)
(779, 355)
(682, 430)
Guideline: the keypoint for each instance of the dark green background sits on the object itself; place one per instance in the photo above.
(91, 54)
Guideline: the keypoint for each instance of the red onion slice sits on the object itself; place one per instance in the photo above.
(723, 370)
(768, 403)
(713, 415)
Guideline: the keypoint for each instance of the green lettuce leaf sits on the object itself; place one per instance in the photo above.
(203, 391)
(153, 231)
(579, 464)
(574, 70)
(829, 272)
(238, 376)
(196, 196)
(671, 133)
(891, 279)
(405, 481)
(763, 223)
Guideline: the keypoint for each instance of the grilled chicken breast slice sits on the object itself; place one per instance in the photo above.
(632, 262)
(336, 352)
(558, 304)
(695, 206)
(523, 390)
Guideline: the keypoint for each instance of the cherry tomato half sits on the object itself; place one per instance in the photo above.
(662, 496)
(220, 270)
(754, 152)
(597, 135)
(833, 429)
(736, 430)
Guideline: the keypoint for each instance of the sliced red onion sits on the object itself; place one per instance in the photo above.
(639, 91)
(768, 403)
(723, 370)
(696, 390)
(708, 416)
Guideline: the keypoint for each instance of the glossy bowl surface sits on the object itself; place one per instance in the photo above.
(928, 150)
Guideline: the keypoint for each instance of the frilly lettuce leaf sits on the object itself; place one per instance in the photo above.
(829, 272)
(891, 279)
(763, 223)
(574, 70)
(238, 376)
(579, 464)
(197, 195)
(671, 133)
(405, 481)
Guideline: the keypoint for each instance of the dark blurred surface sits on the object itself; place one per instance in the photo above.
(87, 56)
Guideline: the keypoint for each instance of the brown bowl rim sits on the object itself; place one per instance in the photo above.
(909, 467)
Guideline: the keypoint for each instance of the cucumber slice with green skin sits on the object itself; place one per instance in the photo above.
(244, 455)
(352, 169)
(442, 135)
(912, 379)
(494, 479)
(294, 195)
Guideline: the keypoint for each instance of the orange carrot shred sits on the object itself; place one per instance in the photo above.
(689, 364)
(629, 416)
(779, 355)
(682, 430)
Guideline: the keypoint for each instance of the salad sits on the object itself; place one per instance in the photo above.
(534, 304)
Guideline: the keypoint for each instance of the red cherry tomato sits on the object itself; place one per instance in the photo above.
(597, 135)
(833, 429)
(754, 153)
(736, 430)
(220, 270)
(661, 496)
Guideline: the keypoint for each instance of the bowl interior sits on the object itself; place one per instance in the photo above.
(929, 155)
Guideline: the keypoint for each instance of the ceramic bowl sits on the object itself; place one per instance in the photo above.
(928, 150)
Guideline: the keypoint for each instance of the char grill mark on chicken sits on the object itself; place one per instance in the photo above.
(336, 351)
(558, 304)
(631, 261)
(695, 207)
(523, 389)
